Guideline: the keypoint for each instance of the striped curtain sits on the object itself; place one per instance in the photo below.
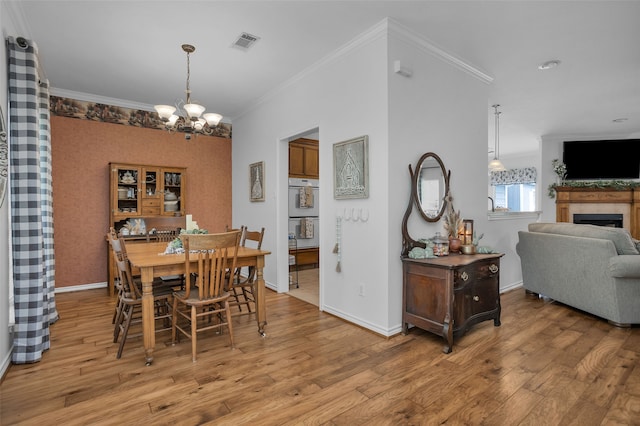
(31, 203)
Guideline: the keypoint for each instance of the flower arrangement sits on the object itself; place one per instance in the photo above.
(560, 169)
(452, 219)
(177, 242)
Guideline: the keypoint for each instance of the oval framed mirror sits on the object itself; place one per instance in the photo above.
(431, 187)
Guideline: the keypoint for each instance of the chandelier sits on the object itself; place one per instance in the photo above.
(496, 165)
(190, 118)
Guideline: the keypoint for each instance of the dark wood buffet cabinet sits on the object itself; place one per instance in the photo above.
(447, 295)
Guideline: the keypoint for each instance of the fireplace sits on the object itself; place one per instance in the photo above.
(601, 206)
(612, 220)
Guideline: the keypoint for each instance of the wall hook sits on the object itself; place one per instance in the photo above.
(362, 216)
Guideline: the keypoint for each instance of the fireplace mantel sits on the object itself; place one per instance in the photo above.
(571, 200)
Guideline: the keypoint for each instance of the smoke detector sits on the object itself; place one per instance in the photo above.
(245, 41)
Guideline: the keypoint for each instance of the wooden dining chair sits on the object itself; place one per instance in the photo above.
(115, 248)
(163, 235)
(242, 287)
(118, 244)
(201, 305)
(131, 300)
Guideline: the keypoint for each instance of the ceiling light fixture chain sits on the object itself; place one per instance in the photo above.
(189, 49)
(190, 118)
(496, 165)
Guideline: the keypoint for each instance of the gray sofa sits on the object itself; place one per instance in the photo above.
(592, 268)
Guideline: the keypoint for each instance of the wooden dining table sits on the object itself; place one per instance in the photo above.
(151, 261)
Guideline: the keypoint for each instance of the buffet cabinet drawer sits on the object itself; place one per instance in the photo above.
(151, 202)
(151, 206)
(147, 211)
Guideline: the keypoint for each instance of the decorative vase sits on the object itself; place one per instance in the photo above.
(454, 244)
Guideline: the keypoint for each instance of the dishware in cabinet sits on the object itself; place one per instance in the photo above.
(173, 194)
(152, 182)
(125, 190)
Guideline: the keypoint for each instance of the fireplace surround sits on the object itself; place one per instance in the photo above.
(571, 201)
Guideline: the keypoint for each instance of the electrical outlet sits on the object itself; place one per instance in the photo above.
(361, 290)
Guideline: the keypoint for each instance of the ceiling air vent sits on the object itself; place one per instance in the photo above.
(245, 41)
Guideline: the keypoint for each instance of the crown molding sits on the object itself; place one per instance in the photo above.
(431, 48)
(88, 97)
(380, 30)
(586, 137)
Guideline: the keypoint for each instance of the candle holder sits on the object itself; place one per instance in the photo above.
(467, 232)
(467, 237)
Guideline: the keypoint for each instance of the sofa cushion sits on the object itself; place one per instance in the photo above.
(620, 237)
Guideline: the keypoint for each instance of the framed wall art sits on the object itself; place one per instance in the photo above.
(351, 168)
(256, 181)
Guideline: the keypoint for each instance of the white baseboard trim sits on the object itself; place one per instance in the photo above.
(6, 362)
(358, 321)
(511, 286)
(81, 287)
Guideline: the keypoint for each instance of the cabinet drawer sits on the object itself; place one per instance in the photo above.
(150, 210)
(150, 202)
(475, 272)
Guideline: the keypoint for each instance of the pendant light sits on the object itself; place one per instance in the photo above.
(496, 165)
(190, 118)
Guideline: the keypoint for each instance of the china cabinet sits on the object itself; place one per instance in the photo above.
(143, 197)
(143, 190)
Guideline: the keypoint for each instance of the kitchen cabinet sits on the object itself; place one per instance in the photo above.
(449, 294)
(306, 257)
(304, 159)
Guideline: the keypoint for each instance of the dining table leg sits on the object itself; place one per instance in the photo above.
(148, 324)
(260, 299)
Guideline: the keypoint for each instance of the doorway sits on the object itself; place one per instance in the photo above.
(303, 216)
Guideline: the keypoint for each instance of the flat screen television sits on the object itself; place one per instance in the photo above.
(602, 159)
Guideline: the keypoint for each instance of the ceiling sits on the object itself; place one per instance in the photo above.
(130, 50)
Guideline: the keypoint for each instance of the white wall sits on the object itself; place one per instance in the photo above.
(441, 108)
(344, 96)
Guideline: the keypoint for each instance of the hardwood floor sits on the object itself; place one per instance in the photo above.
(546, 364)
(308, 286)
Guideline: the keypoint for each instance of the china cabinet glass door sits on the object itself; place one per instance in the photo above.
(127, 195)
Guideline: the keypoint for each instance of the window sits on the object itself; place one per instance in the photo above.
(514, 190)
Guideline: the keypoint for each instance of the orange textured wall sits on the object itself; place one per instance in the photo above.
(82, 151)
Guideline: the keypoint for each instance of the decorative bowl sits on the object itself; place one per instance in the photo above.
(468, 249)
